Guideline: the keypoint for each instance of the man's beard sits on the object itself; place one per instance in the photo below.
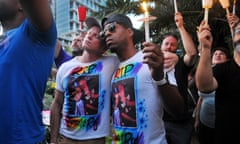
(113, 50)
(77, 52)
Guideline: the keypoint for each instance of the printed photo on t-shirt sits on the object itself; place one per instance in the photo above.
(124, 104)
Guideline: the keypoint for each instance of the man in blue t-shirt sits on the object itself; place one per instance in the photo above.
(26, 58)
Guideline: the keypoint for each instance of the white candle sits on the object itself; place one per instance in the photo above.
(147, 37)
(206, 16)
(206, 4)
(146, 22)
(175, 6)
(234, 7)
(225, 4)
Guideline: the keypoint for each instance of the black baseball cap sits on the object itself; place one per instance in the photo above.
(91, 22)
(125, 22)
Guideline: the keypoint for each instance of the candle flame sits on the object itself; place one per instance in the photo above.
(234, 7)
(224, 3)
(207, 3)
(144, 5)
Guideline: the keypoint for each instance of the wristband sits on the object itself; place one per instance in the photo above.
(161, 82)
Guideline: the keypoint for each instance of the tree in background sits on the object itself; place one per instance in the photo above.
(191, 10)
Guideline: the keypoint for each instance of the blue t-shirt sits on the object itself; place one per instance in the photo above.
(26, 58)
(62, 57)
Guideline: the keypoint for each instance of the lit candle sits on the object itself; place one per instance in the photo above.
(206, 4)
(146, 22)
(225, 4)
(234, 7)
(206, 15)
(175, 6)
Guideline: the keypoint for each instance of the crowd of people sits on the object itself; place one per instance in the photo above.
(134, 96)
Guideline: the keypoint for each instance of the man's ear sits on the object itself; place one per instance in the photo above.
(130, 31)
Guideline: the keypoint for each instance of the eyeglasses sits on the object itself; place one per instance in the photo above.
(111, 28)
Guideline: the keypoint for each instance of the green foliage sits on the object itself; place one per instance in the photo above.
(191, 10)
(68, 49)
(47, 101)
(49, 93)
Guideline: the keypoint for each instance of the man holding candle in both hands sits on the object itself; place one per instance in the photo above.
(179, 129)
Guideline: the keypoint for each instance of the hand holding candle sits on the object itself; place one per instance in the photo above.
(225, 4)
(206, 4)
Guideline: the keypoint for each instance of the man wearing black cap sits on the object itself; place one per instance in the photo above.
(139, 91)
(80, 112)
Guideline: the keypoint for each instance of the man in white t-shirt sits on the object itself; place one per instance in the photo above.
(139, 90)
(89, 77)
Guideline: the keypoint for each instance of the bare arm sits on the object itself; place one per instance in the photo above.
(55, 115)
(204, 76)
(197, 113)
(191, 52)
(39, 13)
(173, 101)
(232, 21)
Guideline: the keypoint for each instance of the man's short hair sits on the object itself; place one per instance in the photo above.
(170, 34)
(223, 49)
(91, 22)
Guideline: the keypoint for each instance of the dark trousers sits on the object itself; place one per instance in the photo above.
(179, 132)
(206, 135)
